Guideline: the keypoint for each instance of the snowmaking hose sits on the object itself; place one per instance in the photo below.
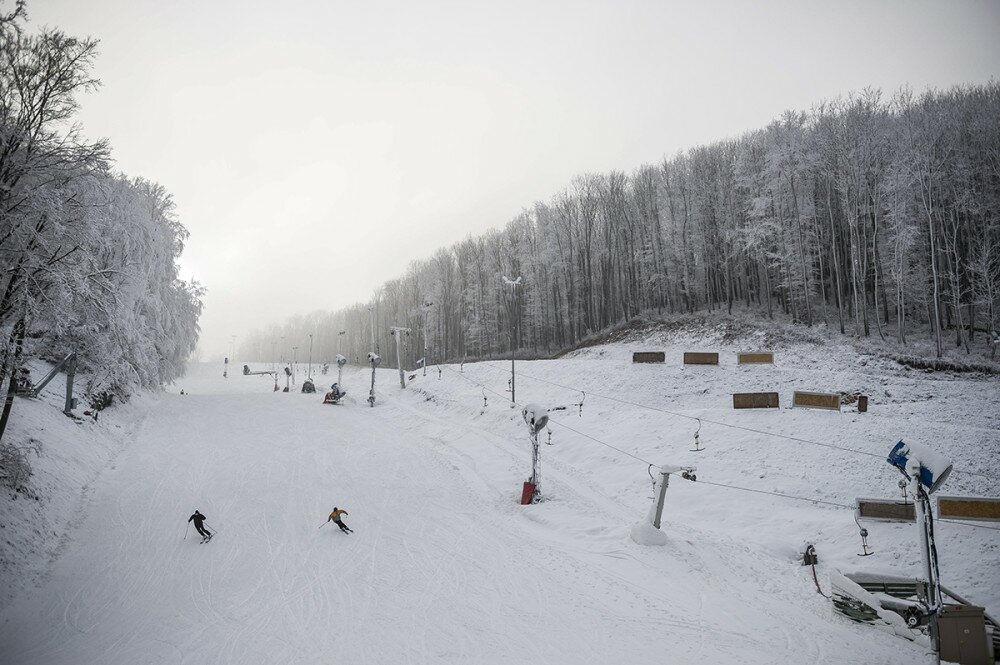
(811, 554)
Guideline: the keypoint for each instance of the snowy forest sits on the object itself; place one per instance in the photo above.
(88, 255)
(876, 216)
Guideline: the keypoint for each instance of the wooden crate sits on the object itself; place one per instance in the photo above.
(760, 358)
(698, 358)
(648, 356)
(886, 510)
(816, 400)
(969, 508)
(755, 400)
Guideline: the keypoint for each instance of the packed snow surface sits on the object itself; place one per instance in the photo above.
(446, 566)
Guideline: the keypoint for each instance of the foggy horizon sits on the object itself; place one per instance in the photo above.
(354, 140)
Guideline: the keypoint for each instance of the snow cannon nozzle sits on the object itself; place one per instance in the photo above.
(916, 460)
(535, 416)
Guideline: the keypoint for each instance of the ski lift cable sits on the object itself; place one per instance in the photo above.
(603, 443)
(778, 494)
(483, 386)
(974, 526)
(707, 420)
(649, 464)
(730, 425)
(555, 422)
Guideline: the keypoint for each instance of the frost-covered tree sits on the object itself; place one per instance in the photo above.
(87, 257)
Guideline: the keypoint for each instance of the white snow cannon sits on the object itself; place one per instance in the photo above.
(926, 471)
(374, 360)
(536, 417)
(915, 460)
(341, 360)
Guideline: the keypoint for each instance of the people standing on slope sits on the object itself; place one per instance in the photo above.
(335, 518)
(199, 524)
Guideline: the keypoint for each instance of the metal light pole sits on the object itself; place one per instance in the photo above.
(371, 316)
(513, 284)
(427, 310)
(310, 372)
(397, 332)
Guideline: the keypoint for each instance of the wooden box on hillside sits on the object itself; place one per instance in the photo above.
(969, 508)
(698, 358)
(886, 510)
(816, 400)
(648, 357)
(759, 358)
(755, 400)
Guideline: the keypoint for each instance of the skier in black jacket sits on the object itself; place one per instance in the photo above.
(199, 524)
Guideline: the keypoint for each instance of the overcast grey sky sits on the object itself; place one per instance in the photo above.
(314, 148)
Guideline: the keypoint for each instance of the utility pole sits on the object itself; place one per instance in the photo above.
(513, 284)
(427, 310)
(310, 372)
(397, 332)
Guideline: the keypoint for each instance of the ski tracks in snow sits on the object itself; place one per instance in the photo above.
(443, 566)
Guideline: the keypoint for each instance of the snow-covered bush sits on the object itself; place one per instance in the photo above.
(15, 467)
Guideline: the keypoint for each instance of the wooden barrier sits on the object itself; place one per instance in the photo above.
(886, 510)
(648, 356)
(754, 358)
(755, 400)
(816, 400)
(695, 358)
(969, 508)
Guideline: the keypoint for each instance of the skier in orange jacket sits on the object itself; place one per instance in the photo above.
(335, 518)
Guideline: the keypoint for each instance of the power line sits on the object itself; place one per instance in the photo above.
(723, 424)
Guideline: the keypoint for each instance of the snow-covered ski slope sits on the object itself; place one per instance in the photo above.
(445, 566)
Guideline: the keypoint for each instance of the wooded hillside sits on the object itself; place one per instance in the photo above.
(868, 213)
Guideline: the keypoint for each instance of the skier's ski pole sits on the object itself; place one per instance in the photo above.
(324, 524)
(186, 530)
